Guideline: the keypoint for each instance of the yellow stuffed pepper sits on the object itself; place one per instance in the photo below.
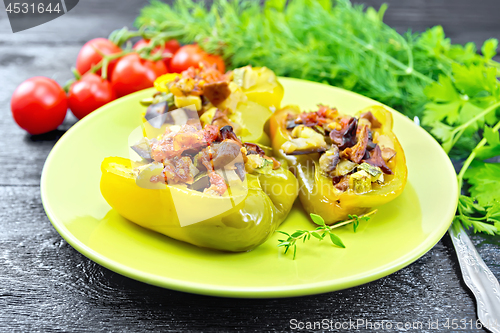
(344, 165)
(260, 85)
(201, 186)
(243, 99)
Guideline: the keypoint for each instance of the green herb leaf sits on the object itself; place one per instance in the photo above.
(317, 219)
(297, 233)
(493, 213)
(489, 49)
(467, 112)
(442, 91)
(444, 133)
(315, 235)
(487, 228)
(484, 179)
(323, 230)
(336, 240)
(435, 112)
(493, 147)
(469, 207)
(356, 221)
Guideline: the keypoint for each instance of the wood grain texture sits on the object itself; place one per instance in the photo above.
(463, 21)
(45, 285)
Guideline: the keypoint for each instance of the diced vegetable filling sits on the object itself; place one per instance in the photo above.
(214, 95)
(195, 153)
(200, 159)
(353, 151)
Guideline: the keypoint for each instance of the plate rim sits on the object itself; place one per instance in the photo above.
(242, 292)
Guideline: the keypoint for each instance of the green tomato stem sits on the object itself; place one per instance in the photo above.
(68, 84)
(106, 57)
(77, 74)
(104, 71)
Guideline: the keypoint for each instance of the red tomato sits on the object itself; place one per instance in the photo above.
(191, 56)
(88, 94)
(172, 46)
(132, 74)
(143, 43)
(39, 105)
(89, 54)
(169, 49)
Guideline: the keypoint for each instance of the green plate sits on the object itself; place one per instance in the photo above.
(400, 233)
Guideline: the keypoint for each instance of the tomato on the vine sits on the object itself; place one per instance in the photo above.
(39, 105)
(169, 48)
(191, 56)
(88, 94)
(132, 73)
(90, 55)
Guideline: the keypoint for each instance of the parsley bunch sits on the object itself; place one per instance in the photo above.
(452, 88)
(462, 112)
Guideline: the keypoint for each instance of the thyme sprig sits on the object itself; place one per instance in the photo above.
(321, 232)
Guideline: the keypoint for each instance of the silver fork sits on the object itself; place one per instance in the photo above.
(477, 276)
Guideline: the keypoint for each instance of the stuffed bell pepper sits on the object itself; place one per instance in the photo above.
(344, 164)
(201, 185)
(243, 99)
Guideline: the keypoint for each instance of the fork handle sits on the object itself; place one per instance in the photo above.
(478, 277)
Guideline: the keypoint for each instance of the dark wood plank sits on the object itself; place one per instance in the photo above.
(48, 50)
(463, 21)
(46, 285)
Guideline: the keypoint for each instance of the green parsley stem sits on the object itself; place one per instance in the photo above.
(472, 156)
(457, 132)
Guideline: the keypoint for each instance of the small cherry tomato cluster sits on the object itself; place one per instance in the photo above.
(104, 71)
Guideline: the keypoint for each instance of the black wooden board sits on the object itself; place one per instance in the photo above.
(45, 285)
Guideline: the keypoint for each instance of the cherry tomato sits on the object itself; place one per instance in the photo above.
(191, 56)
(88, 94)
(132, 74)
(89, 55)
(39, 105)
(169, 49)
